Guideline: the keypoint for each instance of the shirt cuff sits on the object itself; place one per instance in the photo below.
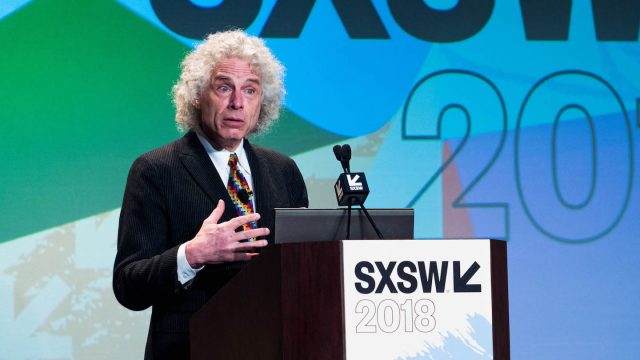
(185, 272)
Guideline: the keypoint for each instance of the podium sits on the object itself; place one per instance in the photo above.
(356, 299)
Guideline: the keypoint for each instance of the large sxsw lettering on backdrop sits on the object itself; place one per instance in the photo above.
(614, 20)
(393, 27)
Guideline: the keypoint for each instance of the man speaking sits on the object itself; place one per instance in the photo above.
(195, 210)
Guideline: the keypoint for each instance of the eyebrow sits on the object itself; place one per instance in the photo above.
(224, 77)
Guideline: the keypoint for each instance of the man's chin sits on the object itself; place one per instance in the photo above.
(231, 140)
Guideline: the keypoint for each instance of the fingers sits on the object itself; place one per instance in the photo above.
(246, 251)
(248, 234)
(241, 220)
(249, 246)
(216, 213)
(223, 243)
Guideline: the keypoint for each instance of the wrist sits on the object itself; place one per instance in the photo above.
(191, 254)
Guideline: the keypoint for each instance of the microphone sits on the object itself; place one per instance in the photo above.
(351, 188)
(346, 151)
(339, 152)
(346, 156)
(244, 196)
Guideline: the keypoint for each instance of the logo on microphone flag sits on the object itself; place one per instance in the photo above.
(353, 182)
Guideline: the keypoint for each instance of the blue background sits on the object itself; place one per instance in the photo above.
(545, 141)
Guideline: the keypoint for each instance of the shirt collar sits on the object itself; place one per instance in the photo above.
(220, 158)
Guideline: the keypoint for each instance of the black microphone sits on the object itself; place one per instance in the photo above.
(351, 188)
(346, 156)
(244, 196)
(338, 151)
(346, 151)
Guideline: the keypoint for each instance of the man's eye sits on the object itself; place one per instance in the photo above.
(250, 91)
(223, 88)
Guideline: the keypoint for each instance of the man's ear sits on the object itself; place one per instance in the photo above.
(196, 103)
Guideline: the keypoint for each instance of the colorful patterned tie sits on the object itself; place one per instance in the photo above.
(236, 185)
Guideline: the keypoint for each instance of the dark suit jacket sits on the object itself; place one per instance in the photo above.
(169, 193)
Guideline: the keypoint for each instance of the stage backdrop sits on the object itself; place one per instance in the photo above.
(512, 120)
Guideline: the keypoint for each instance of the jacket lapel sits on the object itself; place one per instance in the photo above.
(197, 162)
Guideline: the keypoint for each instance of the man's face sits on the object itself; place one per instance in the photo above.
(230, 106)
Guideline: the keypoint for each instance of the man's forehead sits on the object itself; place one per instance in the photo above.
(233, 68)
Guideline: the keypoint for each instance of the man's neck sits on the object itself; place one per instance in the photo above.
(219, 144)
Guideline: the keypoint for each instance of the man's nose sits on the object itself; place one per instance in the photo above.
(236, 101)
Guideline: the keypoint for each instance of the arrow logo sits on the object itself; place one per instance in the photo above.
(353, 181)
(461, 283)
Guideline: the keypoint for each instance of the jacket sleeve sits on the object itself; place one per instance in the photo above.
(145, 266)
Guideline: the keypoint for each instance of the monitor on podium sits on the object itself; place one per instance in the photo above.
(302, 224)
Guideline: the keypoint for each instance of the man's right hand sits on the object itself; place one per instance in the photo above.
(217, 243)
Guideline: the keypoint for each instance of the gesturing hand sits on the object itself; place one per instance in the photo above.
(217, 243)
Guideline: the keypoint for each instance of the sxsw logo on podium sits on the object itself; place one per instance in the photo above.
(427, 277)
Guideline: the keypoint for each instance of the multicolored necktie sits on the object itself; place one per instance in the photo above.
(236, 186)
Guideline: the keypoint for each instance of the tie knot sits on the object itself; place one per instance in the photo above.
(233, 160)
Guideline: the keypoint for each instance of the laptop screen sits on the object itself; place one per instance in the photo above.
(302, 225)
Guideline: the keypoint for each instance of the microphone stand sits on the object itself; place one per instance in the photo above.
(366, 213)
(343, 154)
(368, 218)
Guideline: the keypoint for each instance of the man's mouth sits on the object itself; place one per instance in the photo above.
(233, 120)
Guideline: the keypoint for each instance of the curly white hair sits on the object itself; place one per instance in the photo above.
(199, 64)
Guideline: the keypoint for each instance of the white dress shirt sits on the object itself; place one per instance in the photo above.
(220, 160)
